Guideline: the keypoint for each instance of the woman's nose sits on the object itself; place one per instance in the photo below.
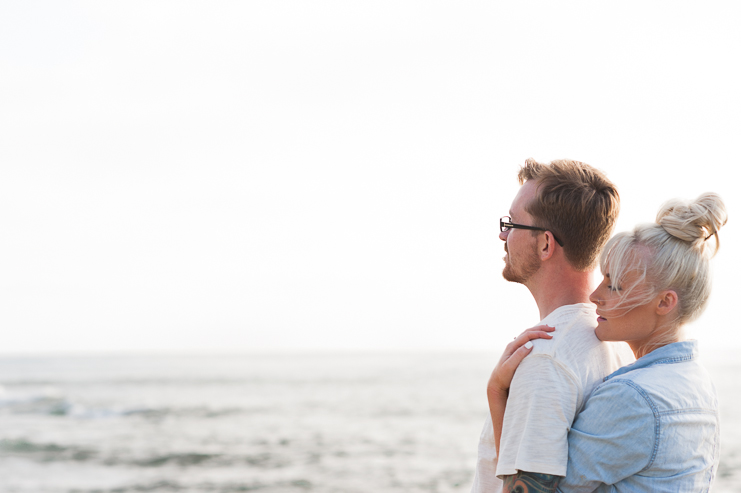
(594, 298)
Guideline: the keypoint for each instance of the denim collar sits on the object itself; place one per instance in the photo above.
(671, 353)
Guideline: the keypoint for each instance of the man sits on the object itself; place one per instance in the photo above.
(559, 221)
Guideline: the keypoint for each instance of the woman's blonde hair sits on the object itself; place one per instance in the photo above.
(672, 253)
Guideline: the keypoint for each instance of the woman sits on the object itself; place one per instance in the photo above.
(652, 425)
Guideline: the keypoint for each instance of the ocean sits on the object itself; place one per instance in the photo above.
(288, 423)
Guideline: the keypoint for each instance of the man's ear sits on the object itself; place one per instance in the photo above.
(547, 246)
(667, 301)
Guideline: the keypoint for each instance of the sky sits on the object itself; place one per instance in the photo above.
(264, 176)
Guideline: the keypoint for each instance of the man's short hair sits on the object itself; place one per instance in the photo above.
(577, 203)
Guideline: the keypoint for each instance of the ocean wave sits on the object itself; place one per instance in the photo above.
(52, 404)
(206, 487)
(54, 452)
(182, 460)
(191, 412)
(144, 382)
(263, 460)
(41, 404)
(198, 381)
(45, 452)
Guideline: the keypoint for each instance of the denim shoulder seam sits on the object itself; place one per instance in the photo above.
(657, 417)
(693, 410)
(673, 359)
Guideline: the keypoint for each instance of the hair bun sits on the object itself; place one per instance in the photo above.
(694, 221)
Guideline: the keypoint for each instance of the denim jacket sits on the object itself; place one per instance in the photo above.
(650, 426)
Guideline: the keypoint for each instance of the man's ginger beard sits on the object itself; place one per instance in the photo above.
(527, 266)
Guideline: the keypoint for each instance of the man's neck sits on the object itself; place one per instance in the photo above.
(555, 289)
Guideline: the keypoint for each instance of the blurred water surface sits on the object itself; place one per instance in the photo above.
(267, 423)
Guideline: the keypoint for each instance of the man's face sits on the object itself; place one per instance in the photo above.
(521, 260)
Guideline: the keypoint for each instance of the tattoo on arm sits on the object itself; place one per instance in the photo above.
(530, 482)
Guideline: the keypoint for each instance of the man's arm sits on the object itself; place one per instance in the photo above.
(541, 406)
(497, 390)
(530, 482)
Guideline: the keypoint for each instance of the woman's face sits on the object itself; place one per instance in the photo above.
(633, 324)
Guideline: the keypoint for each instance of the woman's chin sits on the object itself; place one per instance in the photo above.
(600, 332)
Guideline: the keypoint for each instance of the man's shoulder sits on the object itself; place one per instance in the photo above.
(575, 345)
(574, 326)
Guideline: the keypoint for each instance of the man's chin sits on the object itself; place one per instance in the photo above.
(520, 277)
(510, 276)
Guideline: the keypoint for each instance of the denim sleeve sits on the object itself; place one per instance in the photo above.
(614, 437)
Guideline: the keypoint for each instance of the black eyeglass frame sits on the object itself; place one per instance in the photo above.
(507, 225)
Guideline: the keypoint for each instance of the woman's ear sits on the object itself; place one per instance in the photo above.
(667, 302)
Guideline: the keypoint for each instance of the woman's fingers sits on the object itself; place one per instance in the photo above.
(540, 328)
(539, 332)
(516, 358)
(501, 377)
(514, 353)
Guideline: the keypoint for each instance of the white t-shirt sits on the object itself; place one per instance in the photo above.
(550, 387)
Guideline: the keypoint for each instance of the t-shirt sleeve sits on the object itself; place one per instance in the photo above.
(611, 439)
(541, 406)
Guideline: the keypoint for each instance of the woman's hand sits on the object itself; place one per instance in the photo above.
(514, 353)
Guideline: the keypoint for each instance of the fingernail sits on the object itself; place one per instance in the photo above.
(529, 344)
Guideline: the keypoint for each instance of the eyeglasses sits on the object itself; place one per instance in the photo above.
(505, 224)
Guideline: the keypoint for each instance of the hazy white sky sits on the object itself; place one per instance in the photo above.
(271, 175)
